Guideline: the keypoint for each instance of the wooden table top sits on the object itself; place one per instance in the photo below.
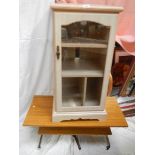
(40, 115)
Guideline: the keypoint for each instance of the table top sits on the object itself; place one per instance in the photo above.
(86, 8)
(40, 115)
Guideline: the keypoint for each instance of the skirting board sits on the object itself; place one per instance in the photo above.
(60, 116)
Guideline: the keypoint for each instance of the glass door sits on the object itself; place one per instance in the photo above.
(84, 48)
(84, 54)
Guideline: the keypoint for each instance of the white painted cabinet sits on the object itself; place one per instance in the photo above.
(84, 38)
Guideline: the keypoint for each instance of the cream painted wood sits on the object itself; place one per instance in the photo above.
(67, 18)
(84, 45)
(109, 58)
(84, 91)
(86, 8)
(83, 73)
(74, 100)
(92, 115)
(58, 80)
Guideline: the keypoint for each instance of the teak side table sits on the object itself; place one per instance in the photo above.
(39, 115)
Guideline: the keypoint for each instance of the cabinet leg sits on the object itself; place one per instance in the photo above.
(40, 140)
(108, 142)
(77, 141)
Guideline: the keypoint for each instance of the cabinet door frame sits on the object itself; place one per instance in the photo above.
(65, 18)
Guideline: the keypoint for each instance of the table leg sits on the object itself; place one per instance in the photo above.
(108, 142)
(40, 140)
(77, 141)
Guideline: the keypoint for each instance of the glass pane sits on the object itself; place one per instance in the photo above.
(85, 31)
(72, 92)
(93, 91)
(84, 49)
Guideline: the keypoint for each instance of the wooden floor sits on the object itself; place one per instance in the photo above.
(40, 115)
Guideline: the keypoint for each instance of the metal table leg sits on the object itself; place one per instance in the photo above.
(77, 141)
(108, 142)
(40, 140)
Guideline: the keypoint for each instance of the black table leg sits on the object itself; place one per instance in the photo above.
(77, 141)
(40, 140)
(108, 142)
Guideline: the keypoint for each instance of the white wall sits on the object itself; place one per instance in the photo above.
(35, 50)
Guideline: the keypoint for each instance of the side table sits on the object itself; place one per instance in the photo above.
(39, 115)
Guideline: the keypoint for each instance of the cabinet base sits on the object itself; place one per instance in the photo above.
(61, 116)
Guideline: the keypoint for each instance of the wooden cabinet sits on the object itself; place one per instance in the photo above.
(84, 38)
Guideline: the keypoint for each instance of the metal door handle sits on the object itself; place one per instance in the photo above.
(58, 52)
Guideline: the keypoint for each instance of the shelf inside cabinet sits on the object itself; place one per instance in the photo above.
(84, 43)
(84, 62)
(93, 91)
(81, 68)
(72, 92)
(79, 91)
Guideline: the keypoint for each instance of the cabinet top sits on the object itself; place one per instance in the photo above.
(86, 8)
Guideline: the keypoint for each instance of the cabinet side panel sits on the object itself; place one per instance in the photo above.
(109, 57)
